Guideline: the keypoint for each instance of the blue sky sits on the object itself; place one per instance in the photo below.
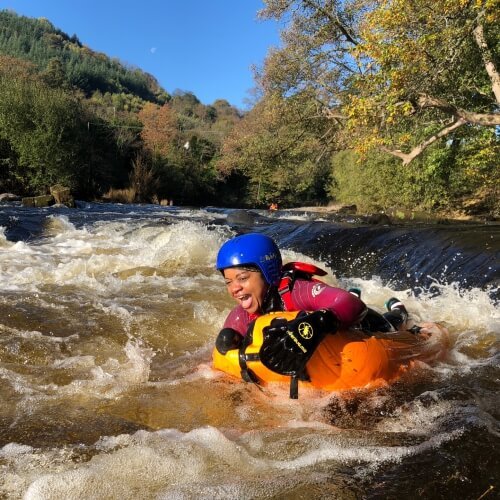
(203, 46)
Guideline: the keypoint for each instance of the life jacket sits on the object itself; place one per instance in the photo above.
(289, 274)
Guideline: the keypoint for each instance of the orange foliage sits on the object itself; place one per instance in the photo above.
(160, 128)
(14, 67)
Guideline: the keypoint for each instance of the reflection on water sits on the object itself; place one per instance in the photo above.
(107, 323)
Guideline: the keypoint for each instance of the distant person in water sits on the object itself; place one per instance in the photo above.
(273, 206)
(259, 282)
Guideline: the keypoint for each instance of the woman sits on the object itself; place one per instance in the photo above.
(256, 278)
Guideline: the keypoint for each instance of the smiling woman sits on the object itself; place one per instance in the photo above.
(247, 286)
(256, 278)
(292, 344)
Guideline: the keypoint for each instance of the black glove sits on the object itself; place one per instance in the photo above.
(288, 345)
(228, 339)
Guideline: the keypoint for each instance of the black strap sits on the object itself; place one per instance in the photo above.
(246, 373)
(294, 386)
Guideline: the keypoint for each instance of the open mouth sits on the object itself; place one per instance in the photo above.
(245, 301)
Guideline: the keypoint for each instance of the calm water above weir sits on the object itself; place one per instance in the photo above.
(108, 315)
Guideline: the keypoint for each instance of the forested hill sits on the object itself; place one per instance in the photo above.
(74, 116)
(64, 58)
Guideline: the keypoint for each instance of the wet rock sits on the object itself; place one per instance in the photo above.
(62, 195)
(38, 201)
(245, 217)
(9, 197)
(381, 219)
(348, 209)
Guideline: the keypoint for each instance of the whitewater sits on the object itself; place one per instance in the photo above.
(108, 316)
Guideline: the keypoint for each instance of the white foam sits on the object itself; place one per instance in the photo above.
(4, 243)
(167, 462)
(422, 416)
(96, 257)
(373, 455)
(112, 377)
(59, 224)
(12, 450)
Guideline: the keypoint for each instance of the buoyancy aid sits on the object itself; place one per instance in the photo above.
(291, 272)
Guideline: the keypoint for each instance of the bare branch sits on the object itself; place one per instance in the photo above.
(417, 150)
(334, 115)
(483, 119)
(334, 19)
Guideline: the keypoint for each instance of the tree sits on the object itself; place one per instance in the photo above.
(160, 130)
(42, 127)
(54, 74)
(143, 180)
(393, 74)
(40, 42)
(280, 151)
(432, 62)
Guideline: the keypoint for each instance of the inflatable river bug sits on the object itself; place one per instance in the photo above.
(347, 359)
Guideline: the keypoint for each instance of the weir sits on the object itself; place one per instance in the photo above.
(410, 254)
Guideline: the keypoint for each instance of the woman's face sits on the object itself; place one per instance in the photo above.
(247, 287)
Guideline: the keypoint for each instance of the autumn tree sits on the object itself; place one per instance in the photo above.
(393, 74)
(433, 70)
(160, 130)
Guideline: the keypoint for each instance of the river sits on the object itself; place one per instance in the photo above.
(108, 314)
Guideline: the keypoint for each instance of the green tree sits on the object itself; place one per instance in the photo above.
(54, 75)
(389, 69)
(38, 41)
(281, 152)
(42, 127)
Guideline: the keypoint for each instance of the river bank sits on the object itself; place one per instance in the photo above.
(474, 211)
(400, 214)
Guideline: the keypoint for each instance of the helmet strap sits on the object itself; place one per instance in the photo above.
(272, 300)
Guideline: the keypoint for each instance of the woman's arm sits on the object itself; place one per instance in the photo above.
(311, 296)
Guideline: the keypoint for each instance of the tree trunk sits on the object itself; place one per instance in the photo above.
(488, 60)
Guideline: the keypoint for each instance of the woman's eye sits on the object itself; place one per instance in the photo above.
(239, 279)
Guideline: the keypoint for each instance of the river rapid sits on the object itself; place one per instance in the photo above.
(108, 315)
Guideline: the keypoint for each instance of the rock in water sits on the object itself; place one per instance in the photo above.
(62, 195)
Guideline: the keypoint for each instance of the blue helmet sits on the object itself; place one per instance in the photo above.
(252, 248)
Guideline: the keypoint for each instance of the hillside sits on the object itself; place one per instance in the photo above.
(74, 116)
(54, 52)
